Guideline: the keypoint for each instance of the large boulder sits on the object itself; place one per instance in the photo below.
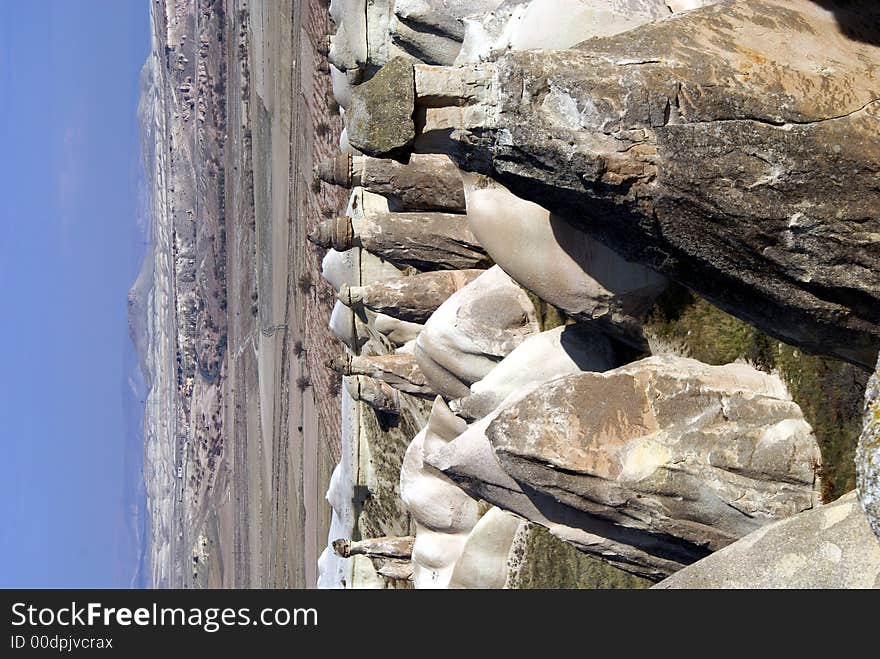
(830, 547)
(379, 117)
(473, 330)
(732, 147)
(668, 447)
(470, 461)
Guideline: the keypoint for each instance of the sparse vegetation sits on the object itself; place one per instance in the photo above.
(551, 563)
(298, 348)
(305, 283)
(829, 391)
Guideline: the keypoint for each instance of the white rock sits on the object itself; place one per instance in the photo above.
(473, 330)
(444, 515)
(560, 263)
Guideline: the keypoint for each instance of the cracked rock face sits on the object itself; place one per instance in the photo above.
(676, 448)
(868, 454)
(732, 147)
(829, 547)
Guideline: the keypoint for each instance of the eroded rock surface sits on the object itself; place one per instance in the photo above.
(560, 263)
(473, 330)
(444, 515)
(666, 445)
(830, 547)
(731, 147)
(541, 357)
(412, 299)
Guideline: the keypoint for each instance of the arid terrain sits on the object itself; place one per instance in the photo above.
(229, 323)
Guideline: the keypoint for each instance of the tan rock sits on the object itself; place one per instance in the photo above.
(413, 298)
(426, 241)
(700, 455)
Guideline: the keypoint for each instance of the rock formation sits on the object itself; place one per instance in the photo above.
(675, 448)
(385, 547)
(697, 145)
(470, 461)
(472, 331)
(829, 547)
(710, 454)
(541, 357)
(427, 241)
(560, 263)
(485, 558)
(412, 299)
(730, 148)
(444, 515)
(400, 371)
(426, 183)
(868, 454)
(376, 393)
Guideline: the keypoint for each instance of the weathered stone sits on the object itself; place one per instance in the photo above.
(700, 455)
(700, 146)
(427, 241)
(829, 547)
(384, 547)
(485, 558)
(378, 394)
(560, 263)
(541, 357)
(413, 298)
(443, 514)
(868, 454)
(473, 330)
(552, 24)
(398, 332)
(392, 568)
(401, 371)
(427, 182)
(379, 119)
(470, 461)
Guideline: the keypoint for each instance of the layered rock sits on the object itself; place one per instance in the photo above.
(699, 146)
(560, 263)
(426, 241)
(472, 331)
(444, 515)
(384, 547)
(470, 461)
(400, 371)
(541, 357)
(411, 299)
(868, 454)
(427, 182)
(829, 547)
(701, 455)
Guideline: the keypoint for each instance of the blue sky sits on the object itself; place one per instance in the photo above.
(69, 250)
